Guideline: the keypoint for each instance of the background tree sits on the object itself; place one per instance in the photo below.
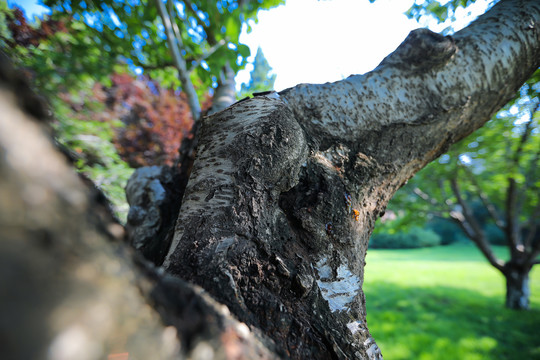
(488, 185)
(261, 79)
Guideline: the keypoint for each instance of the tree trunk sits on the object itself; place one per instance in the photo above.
(286, 188)
(70, 287)
(517, 286)
(277, 213)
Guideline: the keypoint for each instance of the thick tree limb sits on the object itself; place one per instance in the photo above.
(430, 80)
(286, 189)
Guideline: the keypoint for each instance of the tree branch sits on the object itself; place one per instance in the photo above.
(458, 218)
(431, 201)
(488, 205)
(206, 55)
(478, 234)
(429, 66)
(175, 43)
(172, 11)
(512, 228)
(225, 94)
(533, 221)
(529, 170)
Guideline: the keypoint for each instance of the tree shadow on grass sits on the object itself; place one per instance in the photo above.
(448, 323)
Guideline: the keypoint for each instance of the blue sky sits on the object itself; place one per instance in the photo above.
(30, 7)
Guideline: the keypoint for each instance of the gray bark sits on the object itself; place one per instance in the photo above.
(286, 189)
(153, 206)
(71, 289)
(517, 285)
(275, 219)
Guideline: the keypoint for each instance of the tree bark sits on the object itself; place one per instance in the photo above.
(275, 218)
(70, 287)
(286, 189)
(517, 286)
(225, 93)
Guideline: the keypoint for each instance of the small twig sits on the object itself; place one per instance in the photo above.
(206, 55)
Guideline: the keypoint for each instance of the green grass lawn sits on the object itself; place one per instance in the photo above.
(447, 303)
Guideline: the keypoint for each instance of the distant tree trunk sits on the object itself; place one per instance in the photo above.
(516, 270)
(523, 250)
(283, 196)
(517, 285)
(225, 93)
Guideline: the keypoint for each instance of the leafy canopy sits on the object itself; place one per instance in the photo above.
(132, 31)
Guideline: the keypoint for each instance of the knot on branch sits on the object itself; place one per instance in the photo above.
(154, 204)
(423, 49)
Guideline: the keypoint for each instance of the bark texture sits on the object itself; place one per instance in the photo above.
(71, 289)
(154, 201)
(517, 285)
(275, 218)
(286, 188)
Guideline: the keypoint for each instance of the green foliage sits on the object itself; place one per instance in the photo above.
(58, 51)
(132, 32)
(441, 11)
(446, 303)
(448, 230)
(82, 44)
(261, 78)
(414, 238)
(91, 144)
